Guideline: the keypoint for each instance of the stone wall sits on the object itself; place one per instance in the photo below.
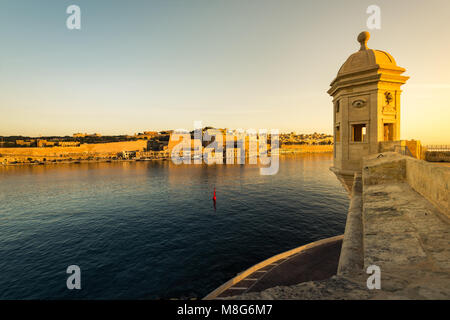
(386, 167)
(437, 156)
(83, 151)
(411, 147)
(306, 148)
(351, 259)
(431, 181)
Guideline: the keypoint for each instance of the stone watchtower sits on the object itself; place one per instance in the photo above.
(366, 98)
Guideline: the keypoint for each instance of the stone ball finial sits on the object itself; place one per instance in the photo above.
(363, 37)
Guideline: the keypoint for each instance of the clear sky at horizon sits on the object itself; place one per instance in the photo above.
(153, 65)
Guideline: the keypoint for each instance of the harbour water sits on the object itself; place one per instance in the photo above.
(149, 230)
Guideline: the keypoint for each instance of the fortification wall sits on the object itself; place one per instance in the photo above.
(431, 181)
(437, 156)
(413, 146)
(306, 148)
(351, 259)
(84, 150)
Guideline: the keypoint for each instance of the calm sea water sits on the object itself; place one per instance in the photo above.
(143, 230)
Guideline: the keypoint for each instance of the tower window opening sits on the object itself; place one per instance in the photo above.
(388, 132)
(338, 134)
(359, 132)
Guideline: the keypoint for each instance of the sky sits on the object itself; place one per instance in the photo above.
(138, 66)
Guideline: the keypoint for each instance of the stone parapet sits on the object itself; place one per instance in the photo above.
(351, 259)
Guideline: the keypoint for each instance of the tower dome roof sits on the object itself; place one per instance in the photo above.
(367, 66)
(367, 58)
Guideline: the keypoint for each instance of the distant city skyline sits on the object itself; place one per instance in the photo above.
(161, 65)
(81, 134)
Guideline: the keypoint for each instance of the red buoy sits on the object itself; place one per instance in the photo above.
(214, 197)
